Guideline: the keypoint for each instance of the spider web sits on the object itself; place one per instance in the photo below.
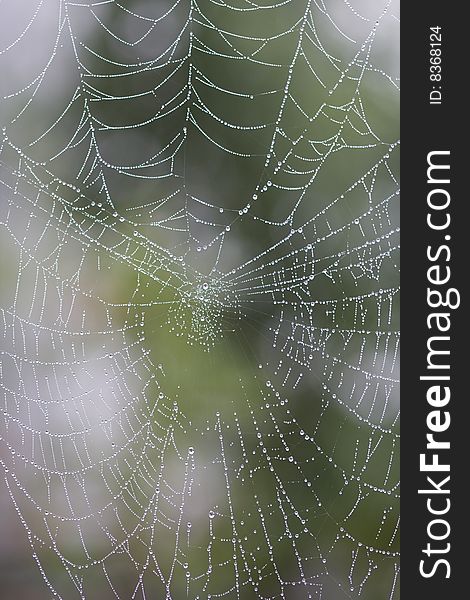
(199, 359)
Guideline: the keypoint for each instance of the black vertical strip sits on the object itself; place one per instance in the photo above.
(425, 128)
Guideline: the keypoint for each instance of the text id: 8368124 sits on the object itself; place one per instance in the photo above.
(435, 65)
